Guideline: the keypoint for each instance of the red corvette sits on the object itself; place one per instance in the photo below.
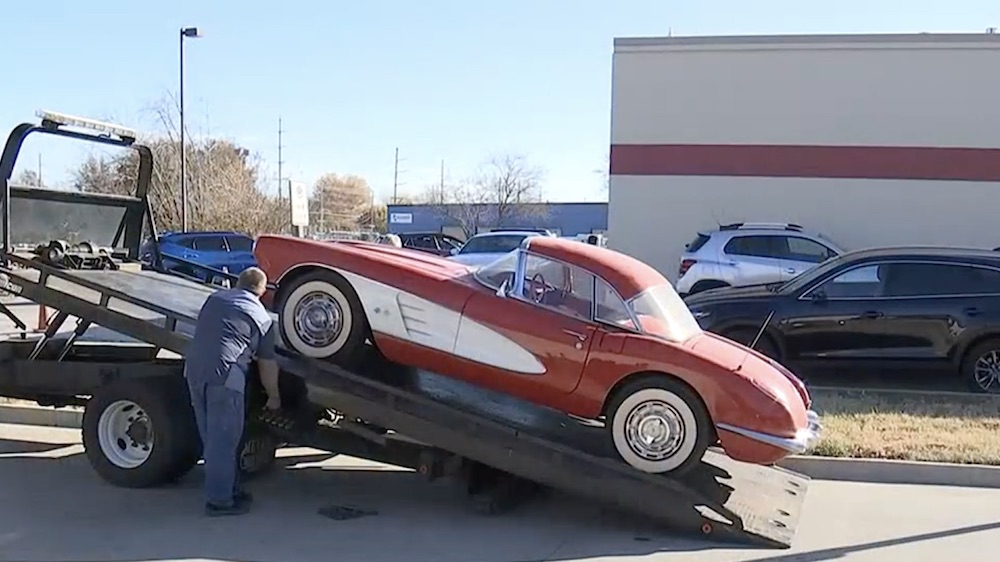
(575, 327)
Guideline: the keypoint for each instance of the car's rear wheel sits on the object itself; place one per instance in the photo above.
(320, 316)
(658, 425)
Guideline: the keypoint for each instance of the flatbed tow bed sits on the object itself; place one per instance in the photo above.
(723, 499)
(383, 412)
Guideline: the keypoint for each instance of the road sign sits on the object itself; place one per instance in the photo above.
(300, 203)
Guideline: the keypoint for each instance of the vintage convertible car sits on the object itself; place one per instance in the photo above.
(578, 328)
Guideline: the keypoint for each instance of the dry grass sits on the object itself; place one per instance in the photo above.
(909, 426)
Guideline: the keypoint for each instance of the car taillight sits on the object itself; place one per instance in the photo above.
(686, 265)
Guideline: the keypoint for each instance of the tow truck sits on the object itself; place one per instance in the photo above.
(115, 344)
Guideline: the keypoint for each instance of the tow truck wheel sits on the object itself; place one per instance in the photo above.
(321, 317)
(140, 433)
(658, 425)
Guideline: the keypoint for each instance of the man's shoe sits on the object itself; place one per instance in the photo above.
(238, 508)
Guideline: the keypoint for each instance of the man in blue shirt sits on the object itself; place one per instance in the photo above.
(233, 329)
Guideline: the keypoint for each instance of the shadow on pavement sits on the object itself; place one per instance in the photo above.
(17, 447)
(402, 517)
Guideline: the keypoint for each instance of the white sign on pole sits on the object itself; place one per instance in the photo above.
(401, 218)
(300, 203)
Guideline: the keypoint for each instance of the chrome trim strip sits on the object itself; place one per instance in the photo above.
(803, 440)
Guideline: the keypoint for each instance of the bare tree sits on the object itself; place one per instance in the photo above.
(504, 191)
(338, 202)
(225, 187)
(27, 178)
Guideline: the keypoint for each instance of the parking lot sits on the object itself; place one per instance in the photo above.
(55, 508)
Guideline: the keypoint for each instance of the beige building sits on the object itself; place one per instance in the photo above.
(869, 139)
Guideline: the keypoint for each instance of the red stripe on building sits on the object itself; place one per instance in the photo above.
(857, 162)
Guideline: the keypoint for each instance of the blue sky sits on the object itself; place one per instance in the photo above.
(442, 80)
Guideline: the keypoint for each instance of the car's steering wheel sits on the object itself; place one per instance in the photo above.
(539, 287)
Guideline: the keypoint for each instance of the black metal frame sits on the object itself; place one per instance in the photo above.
(136, 206)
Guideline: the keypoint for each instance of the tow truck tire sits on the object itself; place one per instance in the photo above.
(663, 409)
(338, 326)
(141, 433)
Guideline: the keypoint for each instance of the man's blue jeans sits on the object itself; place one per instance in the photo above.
(219, 412)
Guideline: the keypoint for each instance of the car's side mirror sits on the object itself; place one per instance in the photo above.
(453, 251)
(818, 296)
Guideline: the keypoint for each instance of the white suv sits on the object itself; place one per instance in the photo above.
(743, 254)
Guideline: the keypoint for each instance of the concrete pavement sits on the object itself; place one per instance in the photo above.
(55, 508)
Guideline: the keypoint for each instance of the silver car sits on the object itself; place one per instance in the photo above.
(741, 254)
(487, 247)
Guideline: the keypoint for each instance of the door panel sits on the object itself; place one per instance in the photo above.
(755, 259)
(559, 341)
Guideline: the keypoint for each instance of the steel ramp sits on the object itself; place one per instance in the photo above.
(722, 500)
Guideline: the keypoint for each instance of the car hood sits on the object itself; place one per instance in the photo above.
(768, 375)
(475, 260)
(711, 296)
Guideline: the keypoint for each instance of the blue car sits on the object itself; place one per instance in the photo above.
(218, 250)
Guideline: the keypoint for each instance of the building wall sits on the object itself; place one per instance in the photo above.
(567, 219)
(873, 140)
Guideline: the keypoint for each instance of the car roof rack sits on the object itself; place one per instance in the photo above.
(762, 226)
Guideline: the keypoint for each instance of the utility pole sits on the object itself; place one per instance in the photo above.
(39, 169)
(442, 176)
(280, 162)
(395, 177)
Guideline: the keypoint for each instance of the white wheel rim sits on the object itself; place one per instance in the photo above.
(317, 319)
(125, 434)
(654, 430)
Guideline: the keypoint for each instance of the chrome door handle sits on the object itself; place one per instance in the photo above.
(577, 335)
(790, 270)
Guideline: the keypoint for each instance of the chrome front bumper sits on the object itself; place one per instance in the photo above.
(804, 439)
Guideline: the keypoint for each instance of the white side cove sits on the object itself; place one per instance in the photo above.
(408, 317)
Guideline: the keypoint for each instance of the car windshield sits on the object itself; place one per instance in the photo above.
(493, 244)
(662, 312)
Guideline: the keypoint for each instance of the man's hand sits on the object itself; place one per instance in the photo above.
(273, 403)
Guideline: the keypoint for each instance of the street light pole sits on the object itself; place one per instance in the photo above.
(185, 33)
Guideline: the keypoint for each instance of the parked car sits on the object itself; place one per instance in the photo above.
(219, 250)
(436, 243)
(741, 254)
(902, 308)
(488, 247)
(574, 327)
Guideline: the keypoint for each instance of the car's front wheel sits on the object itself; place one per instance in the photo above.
(658, 425)
(321, 317)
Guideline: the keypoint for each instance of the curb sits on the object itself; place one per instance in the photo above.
(884, 471)
(873, 471)
(24, 414)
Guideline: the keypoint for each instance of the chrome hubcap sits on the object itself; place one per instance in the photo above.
(987, 371)
(318, 319)
(654, 430)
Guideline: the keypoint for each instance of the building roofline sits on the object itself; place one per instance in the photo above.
(786, 41)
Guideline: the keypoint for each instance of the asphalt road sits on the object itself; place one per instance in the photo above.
(54, 508)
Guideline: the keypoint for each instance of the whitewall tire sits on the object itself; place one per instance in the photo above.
(320, 317)
(659, 426)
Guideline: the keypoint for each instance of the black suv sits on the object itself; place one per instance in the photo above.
(900, 308)
(431, 242)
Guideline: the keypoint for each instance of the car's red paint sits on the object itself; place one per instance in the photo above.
(738, 386)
